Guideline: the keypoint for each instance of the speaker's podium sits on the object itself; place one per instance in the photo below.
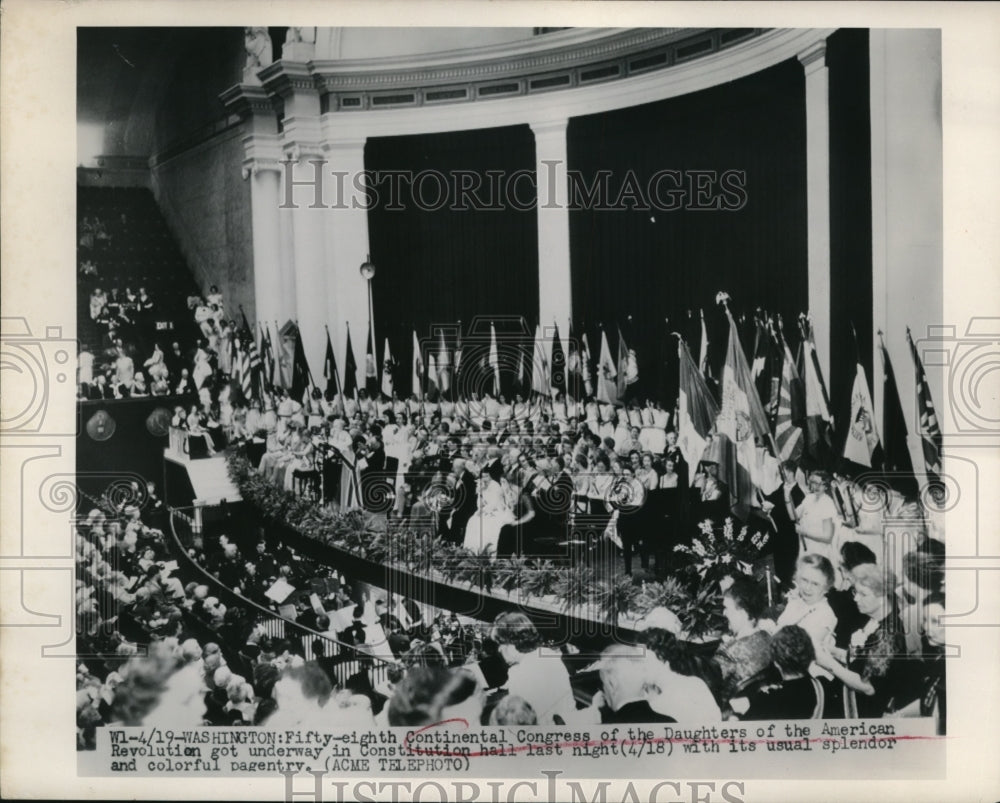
(196, 482)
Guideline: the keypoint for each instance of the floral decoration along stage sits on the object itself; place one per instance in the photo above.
(693, 593)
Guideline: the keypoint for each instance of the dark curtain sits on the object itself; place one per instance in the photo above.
(850, 219)
(654, 265)
(437, 266)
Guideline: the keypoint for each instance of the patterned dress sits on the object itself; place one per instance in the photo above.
(877, 661)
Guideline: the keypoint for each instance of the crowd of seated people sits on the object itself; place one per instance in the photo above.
(158, 647)
(515, 477)
(136, 358)
(528, 477)
(205, 663)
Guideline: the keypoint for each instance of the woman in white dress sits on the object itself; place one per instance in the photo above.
(652, 436)
(817, 518)
(807, 604)
(155, 366)
(494, 511)
(202, 367)
(98, 301)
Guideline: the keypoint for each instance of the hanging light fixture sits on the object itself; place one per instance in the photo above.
(368, 268)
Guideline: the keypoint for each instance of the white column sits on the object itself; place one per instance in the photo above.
(309, 243)
(555, 301)
(287, 269)
(262, 166)
(818, 196)
(302, 196)
(265, 219)
(348, 247)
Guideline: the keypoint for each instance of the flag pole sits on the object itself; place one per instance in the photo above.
(336, 368)
(348, 324)
(854, 338)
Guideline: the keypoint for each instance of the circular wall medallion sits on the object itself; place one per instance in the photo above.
(101, 426)
(158, 422)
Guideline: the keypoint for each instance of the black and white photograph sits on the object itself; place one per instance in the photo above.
(444, 399)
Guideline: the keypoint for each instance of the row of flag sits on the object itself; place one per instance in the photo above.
(783, 404)
(774, 399)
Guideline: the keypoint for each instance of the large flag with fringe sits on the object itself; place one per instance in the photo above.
(574, 372)
(697, 410)
(791, 413)
(432, 377)
(350, 369)
(287, 337)
(388, 369)
(417, 380)
(585, 363)
(558, 379)
(819, 422)
(898, 464)
(330, 372)
(371, 367)
(443, 363)
(539, 365)
(703, 348)
(251, 381)
(862, 445)
(301, 375)
(607, 387)
(927, 425)
(495, 360)
(765, 369)
(266, 358)
(741, 417)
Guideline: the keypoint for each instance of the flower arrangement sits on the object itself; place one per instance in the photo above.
(693, 595)
(718, 553)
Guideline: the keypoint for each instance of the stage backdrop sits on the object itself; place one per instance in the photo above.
(850, 218)
(656, 265)
(439, 266)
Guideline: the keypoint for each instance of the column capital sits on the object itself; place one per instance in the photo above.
(346, 144)
(247, 100)
(254, 166)
(303, 138)
(299, 151)
(813, 58)
(549, 127)
(288, 78)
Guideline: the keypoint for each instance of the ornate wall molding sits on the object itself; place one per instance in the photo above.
(517, 105)
(565, 74)
(251, 167)
(549, 64)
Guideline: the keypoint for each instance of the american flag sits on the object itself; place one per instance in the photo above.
(791, 411)
(241, 369)
(930, 431)
(247, 363)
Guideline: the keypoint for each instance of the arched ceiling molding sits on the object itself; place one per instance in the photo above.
(766, 50)
(562, 47)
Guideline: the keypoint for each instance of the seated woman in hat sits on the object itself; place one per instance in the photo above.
(870, 667)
